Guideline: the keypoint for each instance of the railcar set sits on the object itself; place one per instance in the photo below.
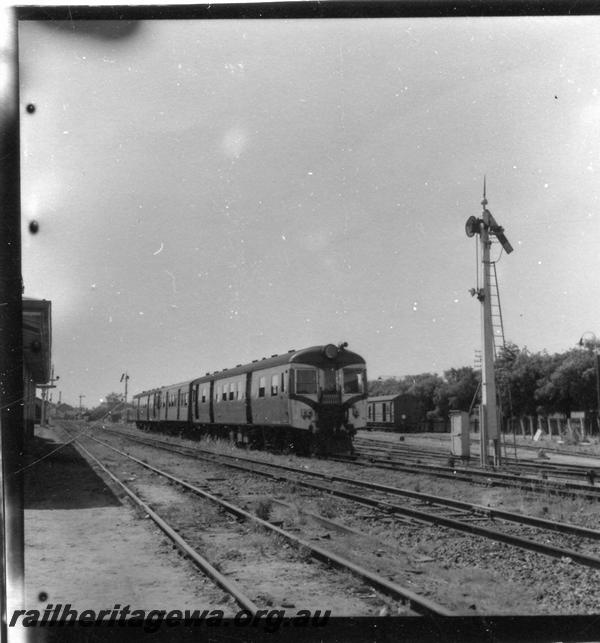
(310, 401)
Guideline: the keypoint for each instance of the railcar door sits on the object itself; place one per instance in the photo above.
(156, 406)
(330, 390)
(194, 394)
(249, 398)
(211, 402)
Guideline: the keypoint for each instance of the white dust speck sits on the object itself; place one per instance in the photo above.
(234, 143)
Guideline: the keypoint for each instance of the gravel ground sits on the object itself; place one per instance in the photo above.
(270, 571)
(461, 571)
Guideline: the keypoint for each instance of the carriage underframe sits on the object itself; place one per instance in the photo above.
(279, 438)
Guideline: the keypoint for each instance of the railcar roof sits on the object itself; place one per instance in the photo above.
(312, 355)
(167, 387)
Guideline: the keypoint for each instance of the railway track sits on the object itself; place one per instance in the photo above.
(441, 450)
(547, 537)
(507, 443)
(548, 477)
(413, 602)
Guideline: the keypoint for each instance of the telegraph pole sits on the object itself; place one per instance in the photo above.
(486, 226)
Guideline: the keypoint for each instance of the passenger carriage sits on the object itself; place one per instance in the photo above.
(312, 400)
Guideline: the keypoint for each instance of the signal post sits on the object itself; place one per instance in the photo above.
(488, 412)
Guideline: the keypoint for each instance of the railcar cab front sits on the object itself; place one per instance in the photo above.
(328, 390)
(328, 374)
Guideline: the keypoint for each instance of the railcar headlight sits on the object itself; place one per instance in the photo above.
(306, 414)
(355, 412)
(330, 351)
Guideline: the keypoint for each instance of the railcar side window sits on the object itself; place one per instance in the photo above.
(354, 380)
(283, 382)
(232, 391)
(225, 387)
(262, 383)
(274, 384)
(240, 390)
(306, 381)
(204, 395)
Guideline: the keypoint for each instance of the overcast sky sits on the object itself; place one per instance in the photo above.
(211, 192)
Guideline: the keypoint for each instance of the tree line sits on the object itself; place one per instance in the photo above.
(111, 409)
(528, 384)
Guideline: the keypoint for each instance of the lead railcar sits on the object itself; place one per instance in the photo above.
(310, 401)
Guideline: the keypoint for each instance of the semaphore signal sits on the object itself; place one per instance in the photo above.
(487, 227)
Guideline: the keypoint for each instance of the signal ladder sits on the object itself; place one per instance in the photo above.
(499, 344)
(497, 324)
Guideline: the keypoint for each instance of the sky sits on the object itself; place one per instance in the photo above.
(213, 192)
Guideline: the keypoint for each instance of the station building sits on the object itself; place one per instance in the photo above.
(37, 347)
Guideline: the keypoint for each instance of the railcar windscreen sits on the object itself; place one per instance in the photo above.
(354, 380)
(306, 381)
